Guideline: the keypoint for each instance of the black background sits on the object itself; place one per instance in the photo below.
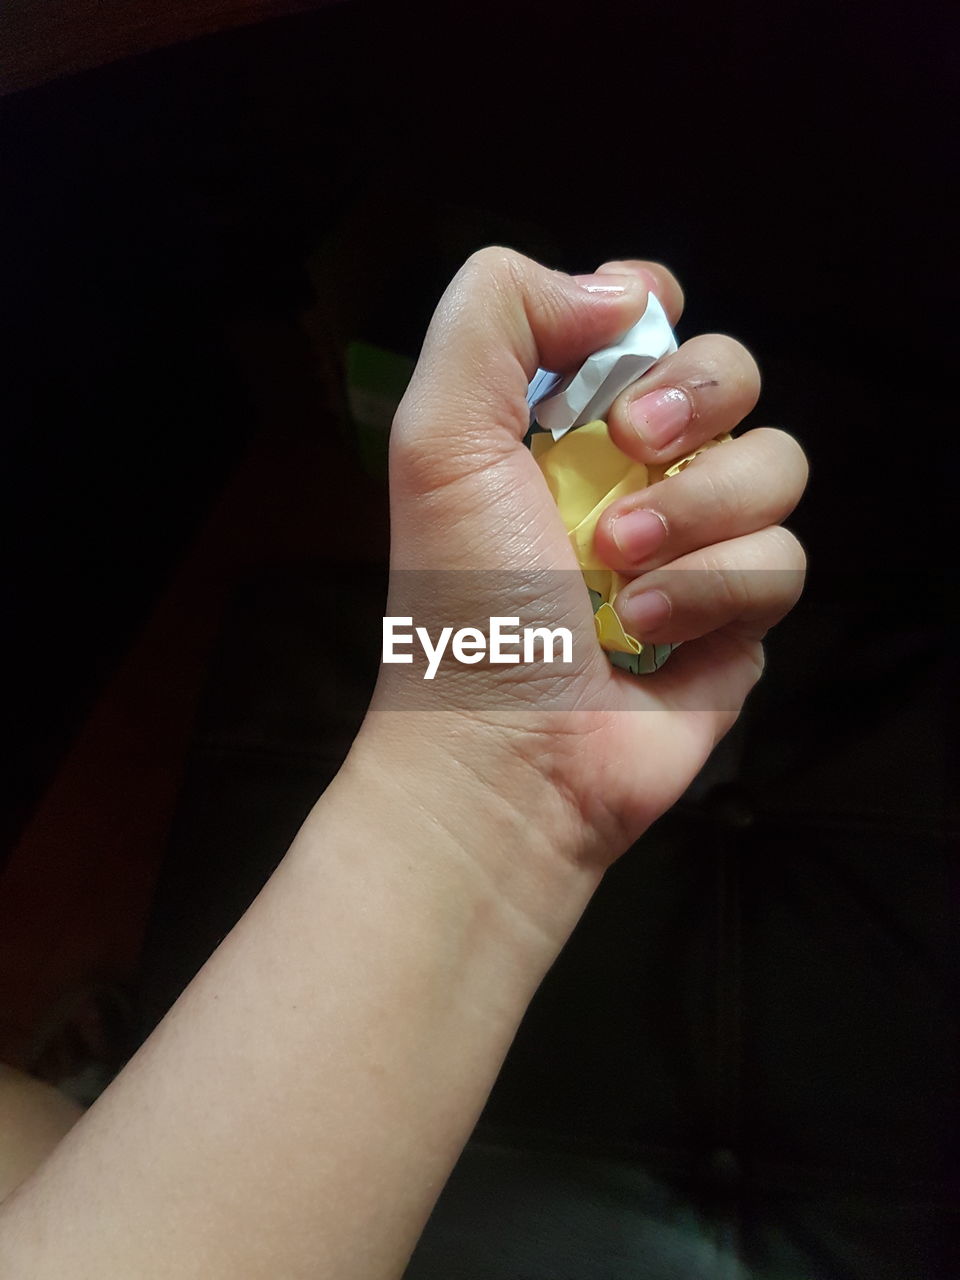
(791, 164)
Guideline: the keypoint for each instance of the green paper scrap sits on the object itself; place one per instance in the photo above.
(651, 657)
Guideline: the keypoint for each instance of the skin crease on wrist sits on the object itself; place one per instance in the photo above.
(297, 1112)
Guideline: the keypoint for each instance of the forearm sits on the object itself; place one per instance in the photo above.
(300, 1108)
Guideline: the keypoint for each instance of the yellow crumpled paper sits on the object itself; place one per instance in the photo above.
(585, 472)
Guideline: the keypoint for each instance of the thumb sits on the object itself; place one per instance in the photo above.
(475, 533)
(501, 317)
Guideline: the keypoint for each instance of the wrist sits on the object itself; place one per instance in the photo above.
(474, 797)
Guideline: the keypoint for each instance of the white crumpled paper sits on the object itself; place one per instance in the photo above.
(561, 402)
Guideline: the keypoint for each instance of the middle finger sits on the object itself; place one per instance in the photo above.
(726, 492)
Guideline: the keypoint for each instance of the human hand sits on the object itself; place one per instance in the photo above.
(376, 982)
(595, 753)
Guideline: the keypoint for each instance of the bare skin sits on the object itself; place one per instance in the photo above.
(33, 1118)
(299, 1110)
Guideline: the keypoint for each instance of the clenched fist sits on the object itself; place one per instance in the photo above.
(593, 753)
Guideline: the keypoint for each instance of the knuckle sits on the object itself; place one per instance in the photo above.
(759, 657)
(729, 362)
(725, 347)
(733, 588)
(417, 464)
(791, 446)
(669, 277)
(785, 570)
(426, 462)
(721, 585)
(755, 659)
(782, 449)
(749, 646)
(495, 265)
(408, 454)
(722, 490)
(787, 549)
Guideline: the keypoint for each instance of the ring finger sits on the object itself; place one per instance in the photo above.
(746, 583)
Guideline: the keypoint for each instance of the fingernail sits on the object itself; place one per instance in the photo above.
(608, 284)
(660, 417)
(645, 613)
(638, 534)
(638, 273)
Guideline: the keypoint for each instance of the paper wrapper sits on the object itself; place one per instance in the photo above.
(560, 403)
(585, 470)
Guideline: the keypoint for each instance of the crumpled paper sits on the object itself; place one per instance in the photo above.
(585, 471)
(559, 403)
